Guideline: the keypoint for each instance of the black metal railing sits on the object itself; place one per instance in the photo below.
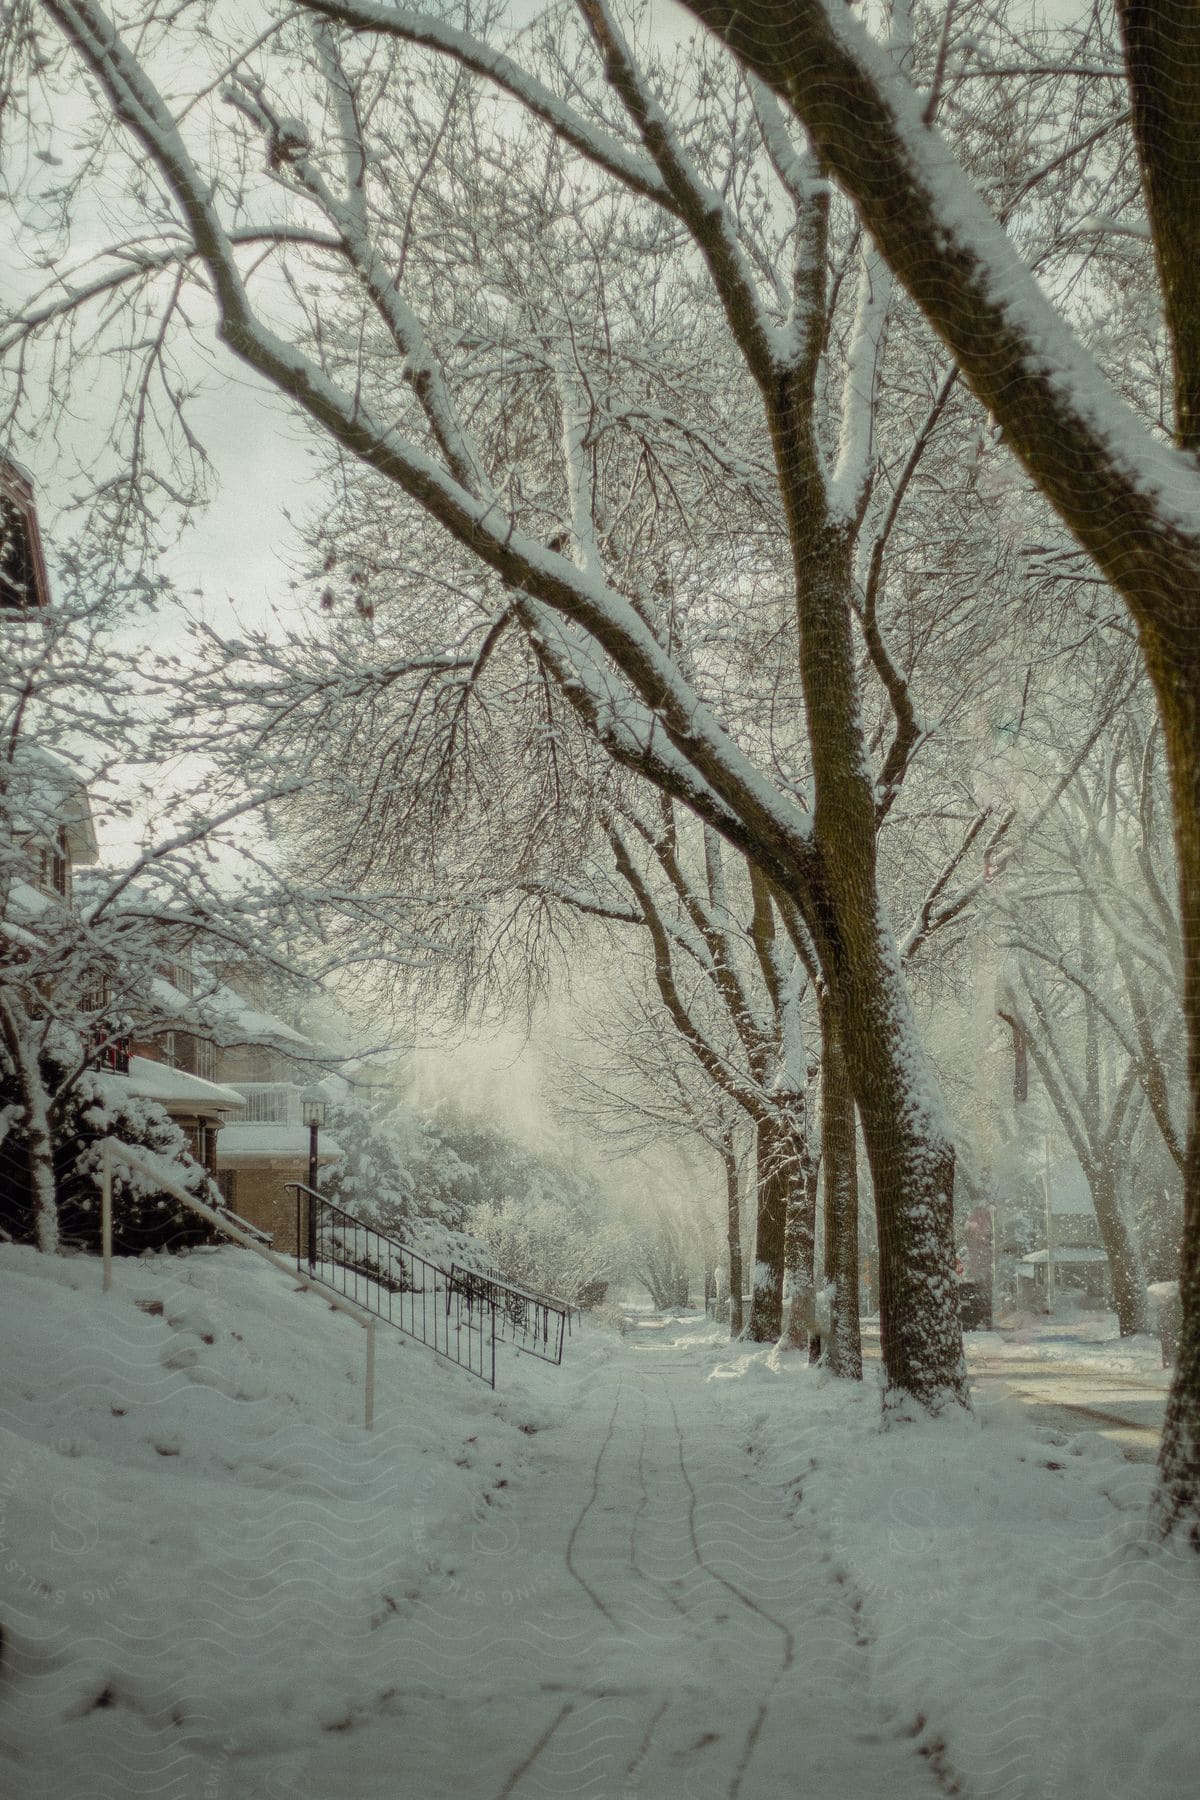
(533, 1322)
(388, 1279)
(573, 1311)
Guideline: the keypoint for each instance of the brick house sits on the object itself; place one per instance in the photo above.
(272, 1066)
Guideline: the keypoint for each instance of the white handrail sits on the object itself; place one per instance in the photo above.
(208, 1213)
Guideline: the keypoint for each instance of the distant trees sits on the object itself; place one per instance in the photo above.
(1094, 984)
(455, 1188)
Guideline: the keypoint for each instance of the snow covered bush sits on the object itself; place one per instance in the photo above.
(455, 1189)
(389, 1171)
(548, 1247)
(81, 1116)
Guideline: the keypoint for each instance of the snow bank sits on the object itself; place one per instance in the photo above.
(1011, 1613)
(1088, 1341)
(202, 1553)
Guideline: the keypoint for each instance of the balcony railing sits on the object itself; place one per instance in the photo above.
(110, 1054)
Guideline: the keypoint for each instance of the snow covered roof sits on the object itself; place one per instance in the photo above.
(273, 1140)
(46, 792)
(1070, 1253)
(25, 903)
(158, 1081)
(232, 1014)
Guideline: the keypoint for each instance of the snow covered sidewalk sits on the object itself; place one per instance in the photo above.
(641, 1619)
(674, 1569)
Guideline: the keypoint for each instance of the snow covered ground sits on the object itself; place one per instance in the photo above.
(673, 1569)
(1085, 1339)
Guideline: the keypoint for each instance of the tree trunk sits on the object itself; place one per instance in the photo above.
(904, 1128)
(799, 1246)
(733, 1213)
(39, 1146)
(812, 1185)
(1177, 1502)
(773, 1152)
(907, 1142)
(912, 1171)
(839, 1170)
(1120, 1246)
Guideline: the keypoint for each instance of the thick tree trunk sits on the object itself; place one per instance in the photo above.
(899, 1104)
(1162, 57)
(839, 1173)
(1177, 1503)
(912, 1171)
(733, 1214)
(812, 1184)
(1161, 44)
(773, 1153)
(1177, 1500)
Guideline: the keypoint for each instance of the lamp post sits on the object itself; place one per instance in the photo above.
(314, 1118)
(1050, 1270)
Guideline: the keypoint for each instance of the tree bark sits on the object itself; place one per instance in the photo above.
(1177, 681)
(908, 1146)
(1120, 1246)
(839, 1173)
(733, 1214)
(799, 1248)
(773, 1154)
(1162, 59)
(39, 1146)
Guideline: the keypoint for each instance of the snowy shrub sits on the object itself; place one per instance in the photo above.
(384, 1173)
(454, 1189)
(547, 1247)
(91, 1109)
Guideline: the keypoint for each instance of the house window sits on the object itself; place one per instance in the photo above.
(52, 866)
(206, 1059)
(18, 585)
(60, 865)
(96, 999)
(23, 583)
(180, 975)
(110, 1053)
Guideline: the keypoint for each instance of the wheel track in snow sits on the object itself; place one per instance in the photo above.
(517, 1775)
(614, 1729)
(577, 1527)
(930, 1745)
(789, 1639)
(610, 1609)
(752, 1606)
(639, 1518)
